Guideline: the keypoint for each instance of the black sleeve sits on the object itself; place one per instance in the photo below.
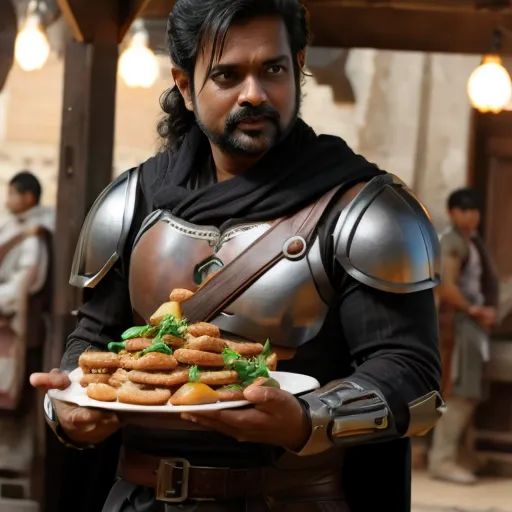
(393, 339)
(106, 314)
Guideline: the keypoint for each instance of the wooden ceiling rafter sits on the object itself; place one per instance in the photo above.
(88, 19)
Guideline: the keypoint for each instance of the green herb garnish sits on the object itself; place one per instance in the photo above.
(171, 326)
(194, 374)
(116, 346)
(145, 331)
(266, 349)
(248, 369)
(158, 347)
(230, 356)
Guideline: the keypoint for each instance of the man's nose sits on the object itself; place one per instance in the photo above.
(252, 93)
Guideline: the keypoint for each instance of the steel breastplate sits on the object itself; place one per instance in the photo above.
(283, 304)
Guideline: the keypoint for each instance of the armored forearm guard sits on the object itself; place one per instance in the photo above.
(348, 414)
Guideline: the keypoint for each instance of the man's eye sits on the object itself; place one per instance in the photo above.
(224, 76)
(274, 70)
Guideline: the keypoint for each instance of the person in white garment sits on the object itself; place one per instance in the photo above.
(24, 259)
(23, 268)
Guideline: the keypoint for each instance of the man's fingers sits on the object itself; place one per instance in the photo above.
(265, 395)
(52, 380)
(81, 416)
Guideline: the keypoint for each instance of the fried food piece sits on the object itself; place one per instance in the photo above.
(94, 378)
(198, 358)
(272, 362)
(194, 393)
(206, 343)
(166, 380)
(230, 393)
(180, 295)
(204, 329)
(168, 308)
(155, 361)
(173, 341)
(222, 378)
(137, 344)
(127, 362)
(135, 395)
(98, 360)
(245, 349)
(118, 379)
(102, 392)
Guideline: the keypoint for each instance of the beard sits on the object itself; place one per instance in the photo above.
(246, 141)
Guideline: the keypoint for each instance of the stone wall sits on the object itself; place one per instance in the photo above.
(411, 117)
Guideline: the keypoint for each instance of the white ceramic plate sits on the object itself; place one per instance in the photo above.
(294, 383)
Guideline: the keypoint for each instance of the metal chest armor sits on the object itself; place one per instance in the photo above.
(284, 304)
(382, 238)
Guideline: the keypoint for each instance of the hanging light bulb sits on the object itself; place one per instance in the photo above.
(138, 65)
(489, 86)
(32, 48)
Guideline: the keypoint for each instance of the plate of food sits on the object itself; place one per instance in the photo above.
(172, 366)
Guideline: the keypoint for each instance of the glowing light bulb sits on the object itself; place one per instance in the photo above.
(138, 65)
(489, 86)
(32, 48)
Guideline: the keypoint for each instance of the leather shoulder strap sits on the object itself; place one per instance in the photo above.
(289, 237)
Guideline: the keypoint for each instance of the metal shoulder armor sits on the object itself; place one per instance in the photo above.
(104, 232)
(385, 239)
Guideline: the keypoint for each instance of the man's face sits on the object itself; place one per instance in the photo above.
(18, 202)
(250, 97)
(465, 220)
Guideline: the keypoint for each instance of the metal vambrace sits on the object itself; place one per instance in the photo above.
(348, 414)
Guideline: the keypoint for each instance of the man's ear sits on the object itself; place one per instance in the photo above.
(182, 81)
(301, 57)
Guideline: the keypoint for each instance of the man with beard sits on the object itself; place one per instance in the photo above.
(346, 297)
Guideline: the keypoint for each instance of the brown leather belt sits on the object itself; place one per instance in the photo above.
(176, 480)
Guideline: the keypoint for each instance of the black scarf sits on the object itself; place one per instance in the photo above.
(292, 175)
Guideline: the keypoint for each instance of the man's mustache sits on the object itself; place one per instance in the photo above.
(247, 112)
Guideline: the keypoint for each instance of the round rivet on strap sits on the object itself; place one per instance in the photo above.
(294, 248)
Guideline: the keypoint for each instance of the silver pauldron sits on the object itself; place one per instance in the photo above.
(104, 232)
(348, 414)
(385, 239)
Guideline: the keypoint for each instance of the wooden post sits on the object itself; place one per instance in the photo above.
(86, 159)
(86, 162)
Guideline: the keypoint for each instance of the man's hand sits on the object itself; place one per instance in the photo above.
(485, 316)
(277, 418)
(81, 424)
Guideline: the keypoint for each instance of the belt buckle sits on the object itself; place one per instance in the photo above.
(165, 487)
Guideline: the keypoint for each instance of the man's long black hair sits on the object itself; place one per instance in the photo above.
(193, 24)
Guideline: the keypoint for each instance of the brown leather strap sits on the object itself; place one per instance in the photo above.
(176, 478)
(233, 279)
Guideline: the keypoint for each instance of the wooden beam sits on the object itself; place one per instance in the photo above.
(384, 28)
(8, 30)
(440, 26)
(129, 11)
(91, 20)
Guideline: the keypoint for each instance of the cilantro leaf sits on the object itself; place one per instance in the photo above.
(230, 356)
(116, 346)
(158, 347)
(194, 374)
(266, 349)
